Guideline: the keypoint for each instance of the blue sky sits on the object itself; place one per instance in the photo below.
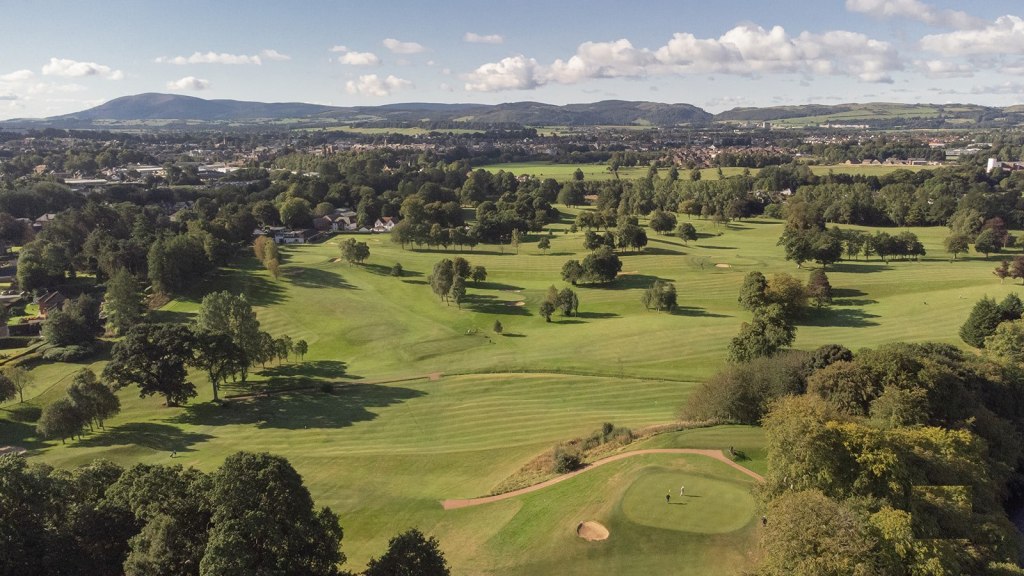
(62, 56)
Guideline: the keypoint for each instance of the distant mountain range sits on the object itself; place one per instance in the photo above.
(177, 111)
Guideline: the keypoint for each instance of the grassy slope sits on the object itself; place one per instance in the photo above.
(383, 455)
(598, 172)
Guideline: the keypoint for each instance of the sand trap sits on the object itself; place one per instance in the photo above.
(435, 376)
(591, 531)
(520, 303)
(335, 259)
(723, 265)
(629, 273)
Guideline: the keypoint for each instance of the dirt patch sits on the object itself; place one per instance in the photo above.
(591, 531)
(723, 265)
(434, 375)
(12, 450)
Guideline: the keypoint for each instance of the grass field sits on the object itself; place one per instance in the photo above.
(428, 403)
(598, 172)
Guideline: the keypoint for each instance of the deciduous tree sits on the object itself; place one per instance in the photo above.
(410, 553)
(153, 357)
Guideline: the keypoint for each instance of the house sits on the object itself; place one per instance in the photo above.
(384, 224)
(49, 302)
(323, 224)
(43, 220)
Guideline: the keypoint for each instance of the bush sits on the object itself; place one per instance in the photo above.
(71, 353)
(566, 460)
(327, 388)
(742, 392)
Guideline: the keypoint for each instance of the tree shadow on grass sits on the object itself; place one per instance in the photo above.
(295, 410)
(317, 278)
(842, 317)
(513, 335)
(171, 316)
(382, 270)
(695, 312)
(652, 251)
(710, 247)
(493, 286)
(161, 437)
(596, 315)
(421, 282)
(848, 297)
(488, 304)
(19, 434)
(628, 282)
(258, 289)
(309, 370)
(857, 267)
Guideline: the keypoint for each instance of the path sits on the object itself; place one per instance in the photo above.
(716, 454)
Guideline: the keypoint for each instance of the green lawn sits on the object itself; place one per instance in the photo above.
(562, 172)
(429, 403)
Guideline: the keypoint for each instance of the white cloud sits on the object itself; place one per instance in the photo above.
(271, 54)
(74, 69)
(373, 85)
(1004, 36)
(339, 48)
(744, 50)
(944, 69)
(1013, 88)
(474, 38)
(399, 47)
(512, 73)
(17, 76)
(211, 58)
(915, 10)
(8, 96)
(446, 87)
(188, 83)
(359, 59)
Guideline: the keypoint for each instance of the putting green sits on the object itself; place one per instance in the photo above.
(708, 505)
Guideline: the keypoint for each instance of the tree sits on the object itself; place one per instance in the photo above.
(818, 288)
(661, 295)
(498, 328)
(787, 292)
(410, 553)
(218, 355)
(600, 266)
(60, 419)
(123, 301)
(153, 357)
(686, 232)
(547, 309)
(662, 222)
(20, 378)
(442, 277)
(1003, 271)
(631, 236)
(516, 239)
(981, 323)
(353, 251)
(769, 331)
(1017, 268)
(264, 523)
(301, 347)
(1007, 341)
(95, 401)
(753, 292)
(544, 243)
(461, 267)
(957, 244)
(985, 243)
(568, 302)
(572, 271)
(8, 389)
(478, 274)
(296, 213)
(76, 323)
(457, 292)
(225, 313)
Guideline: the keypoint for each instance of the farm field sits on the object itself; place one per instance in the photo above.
(428, 403)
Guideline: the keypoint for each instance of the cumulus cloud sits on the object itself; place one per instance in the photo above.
(355, 58)
(915, 10)
(944, 69)
(744, 50)
(211, 58)
(271, 54)
(188, 83)
(399, 47)
(373, 85)
(74, 69)
(474, 38)
(8, 96)
(17, 76)
(512, 73)
(1004, 36)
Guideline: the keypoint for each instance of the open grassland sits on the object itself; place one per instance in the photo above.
(599, 172)
(429, 403)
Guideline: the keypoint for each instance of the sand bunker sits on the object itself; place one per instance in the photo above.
(630, 273)
(335, 259)
(520, 303)
(591, 531)
(723, 265)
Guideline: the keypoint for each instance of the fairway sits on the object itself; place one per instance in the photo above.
(404, 401)
(599, 172)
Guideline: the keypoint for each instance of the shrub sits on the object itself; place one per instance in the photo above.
(566, 460)
(71, 353)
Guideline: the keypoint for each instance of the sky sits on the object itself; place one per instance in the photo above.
(61, 56)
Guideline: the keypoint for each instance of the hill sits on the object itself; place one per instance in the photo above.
(879, 115)
(169, 109)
